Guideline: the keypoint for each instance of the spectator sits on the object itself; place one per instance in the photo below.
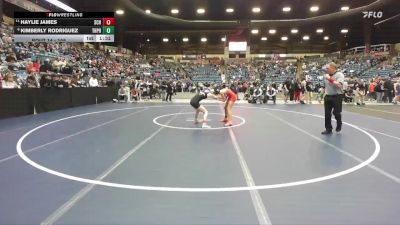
(388, 91)
(372, 93)
(56, 83)
(135, 94)
(74, 81)
(285, 89)
(127, 91)
(46, 82)
(93, 82)
(379, 89)
(122, 94)
(31, 81)
(36, 65)
(170, 91)
(304, 92)
(297, 91)
(164, 90)
(257, 94)
(82, 82)
(9, 83)
(138, 89)
(348, 95)
(271, 94)
(309, 92)
(46, 67)
(57, 65)
(397, 91)
(360, 92)
(11, 58)
(31, 68)
(65, 81)
(321, 94)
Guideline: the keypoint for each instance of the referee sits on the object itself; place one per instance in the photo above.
(333, 98)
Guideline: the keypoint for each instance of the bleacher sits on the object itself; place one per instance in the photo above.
(161, 73)
(205, 74)
(360, 65)
(278, 72)
(36, 54)
(375, 67)
(313, 68)
(278, 80)
(354, 69)
(235, 72)
(386, 73)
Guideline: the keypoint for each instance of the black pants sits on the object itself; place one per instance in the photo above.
(333, 102)
(291, 95)
(122, 97)
(388, 96)
(168, 95)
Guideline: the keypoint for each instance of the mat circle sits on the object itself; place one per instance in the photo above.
(155, 120)
(194, 189)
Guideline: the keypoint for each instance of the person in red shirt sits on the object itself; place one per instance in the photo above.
(135, 94)
(30, 67)
(230, 96)
(372, 94)
(36, 65)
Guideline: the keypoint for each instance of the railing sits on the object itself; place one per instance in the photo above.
(374, 48)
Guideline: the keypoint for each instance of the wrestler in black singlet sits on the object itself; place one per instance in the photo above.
(195, 101)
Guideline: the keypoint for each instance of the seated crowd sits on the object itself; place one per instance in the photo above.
(67, 65)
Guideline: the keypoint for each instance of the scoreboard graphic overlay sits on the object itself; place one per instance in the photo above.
(64, 27)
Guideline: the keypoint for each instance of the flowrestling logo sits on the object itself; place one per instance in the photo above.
(373, 14)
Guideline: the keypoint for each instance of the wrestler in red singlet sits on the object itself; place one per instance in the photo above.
(230, 100)
(231, 95)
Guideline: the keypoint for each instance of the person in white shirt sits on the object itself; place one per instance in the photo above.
(127, 91)
(397, 92)
(9, 83)
(306, 96)
(270, 94)
(93, 82)
(123, 94)
(137, 88)
(345, 85)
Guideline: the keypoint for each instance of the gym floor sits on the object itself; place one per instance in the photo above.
(148, 163)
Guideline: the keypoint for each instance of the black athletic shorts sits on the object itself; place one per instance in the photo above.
(195, 104)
